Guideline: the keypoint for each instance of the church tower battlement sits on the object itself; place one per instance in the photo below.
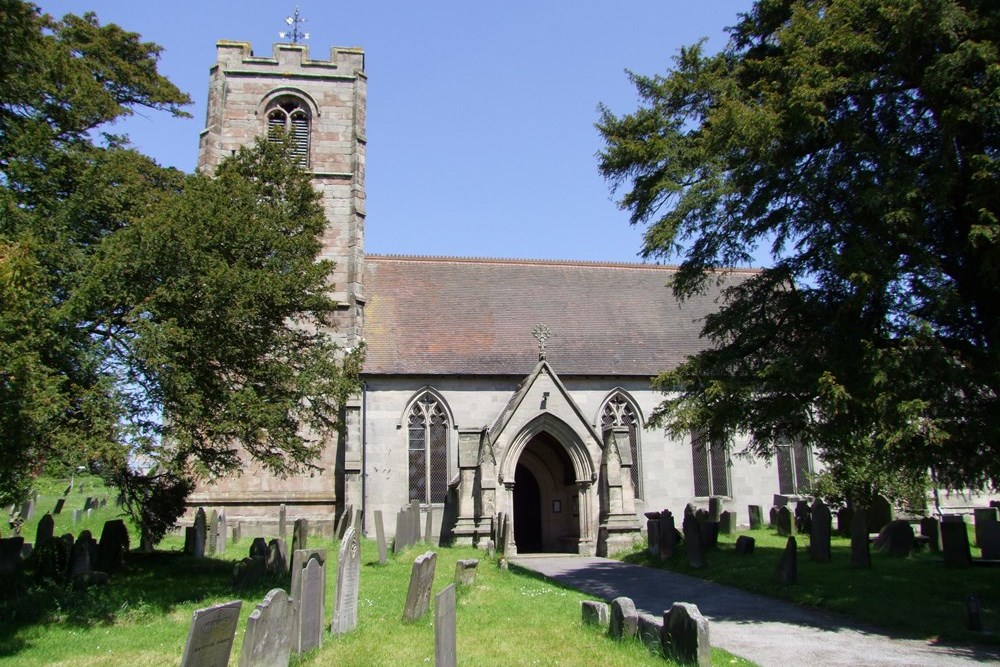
(321, 104)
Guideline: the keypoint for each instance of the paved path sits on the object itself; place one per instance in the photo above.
(772, 633)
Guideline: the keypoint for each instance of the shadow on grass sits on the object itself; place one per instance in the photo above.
(154, 586)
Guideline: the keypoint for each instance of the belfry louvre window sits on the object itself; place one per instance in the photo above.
(428, 451)
(290, 116)
(619, 412)
(711, 467)
(794, 462)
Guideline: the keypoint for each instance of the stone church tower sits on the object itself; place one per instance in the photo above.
(321, 105)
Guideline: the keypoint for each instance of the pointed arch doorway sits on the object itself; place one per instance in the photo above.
(545, 502)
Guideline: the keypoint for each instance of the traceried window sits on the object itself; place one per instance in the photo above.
(711, 467)
(428, 450)
(288, 115)
(619, 412)
(794, 467)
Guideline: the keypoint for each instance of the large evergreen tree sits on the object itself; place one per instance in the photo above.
(858, 141)
(147, 315)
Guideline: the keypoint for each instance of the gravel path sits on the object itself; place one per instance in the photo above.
(771, 633)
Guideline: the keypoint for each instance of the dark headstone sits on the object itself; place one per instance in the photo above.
(788, 565)
(418, 595)
(345, 597)
(113, 547)
(10, 554)
(595, 612)
(28, 509)
(200, 534)
(276, 560)
(300, 534)
(756, 518)
(785, 523)
(268, 637)
(879, 514)
(709, 533)
(931, 529)
(80, 562)
(973, 611)
(989, 540)
(845, 515)
(213, 532)
(982, 516)
(727, 523)
(210, 638)
(955, 544)
(692, 541)
(714, 508)
(803, 517)
(668, 535)
(237, 532)
(773, 517)
(860, 547)
(624, 618)
(745, 545)
(46, 526)
(445, 647)
(248, 572)
(383, 556)
(896, 538)
(653, 533)
(819, 532)
(59, 506)
(685, 635)
(258, 548)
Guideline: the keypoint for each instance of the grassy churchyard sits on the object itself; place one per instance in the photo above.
(142, 617)
(916, 597)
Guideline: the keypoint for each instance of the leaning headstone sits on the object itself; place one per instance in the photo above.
(309, 595)
(10, 554)
(745, 545)
(692, 541)
(28, 509)
(383, 557)
(595, 612)
(59, 506)
(276, 561)
(210, 638)
(418, 595)
(113, 546)
(283, 522)
(686, 636)
(200, 530)
(89, 503)
(46, 526)
(955, 544)
(268, 637)
(653, 533)
(879, 514)
(465, 571)
(982, 516)
(345, 605)
(445, 646)
(756, 518)
(727, 523)
(860, 547)
(931, 529)
(785, 523)
(668, 535)
(624, 618)
(819, 532)
(989, 541)
(845, 515)
(300, 534)
(788, 566)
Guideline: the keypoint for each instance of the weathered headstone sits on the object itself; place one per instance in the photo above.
(268, 638)
(686, 635)
(668, 535)
(785, 523)
(43, 533)
(465, 571)
(819, 532)
(650, 628)
(429, 525)
(896, 538)
(310, 598)
(445, 636)
(359, 518)
(860, 547)
(113, 546)
(803, 517)
(397, 541)
(879, 514)
(955, 544)
(491, 548)
(773, 517)
(221, 533)
(276, 561)
(283, 522)
(248, 572)
(59, 506)
(624, 618)
(745, 545)
(788, 565)
(213, 532)
(237, 532)
(653, 533)
(418, 595)
(756, 518)
(982, 516)
(300, 534)
(10, 554)
(200, 530)
(505, 535)
(692, 542)
(727, 523)
(595, 612)
(258, 548)
(28, 509)
(77, 515)
(989, 541)
(845, 515)
(345, 605)
(210, 637)
(714, 508)
(89, 503)
(383, 556)
(709, 533)
(931, 529)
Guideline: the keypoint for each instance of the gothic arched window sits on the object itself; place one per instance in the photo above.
(619, 412)
(794, 467)
(711, 467)
(290, 116)
(428, 450)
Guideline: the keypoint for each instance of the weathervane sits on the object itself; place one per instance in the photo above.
(295, 34)
(541, 333)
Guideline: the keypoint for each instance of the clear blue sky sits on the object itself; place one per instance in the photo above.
(481, 138)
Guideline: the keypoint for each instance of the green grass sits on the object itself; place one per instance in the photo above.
(915, 597)
(142, 617)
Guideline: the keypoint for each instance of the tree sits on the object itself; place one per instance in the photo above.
(858, 141)
(153, 324)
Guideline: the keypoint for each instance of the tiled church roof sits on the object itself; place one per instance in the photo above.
(459, 316)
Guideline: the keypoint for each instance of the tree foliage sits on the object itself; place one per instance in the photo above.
(858, 142)
(148, 317)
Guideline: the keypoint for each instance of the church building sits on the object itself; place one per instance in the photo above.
(491, 385)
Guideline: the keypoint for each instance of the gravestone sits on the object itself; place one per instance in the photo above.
(668, 535)
(445, 636)
(653, 533)
(649, 631)
(819, 532)
(237, 532)
(981, 516)
(845, 515)
(268, 638)
(247, 573)
(221, 533)
(77, 515)
(428, 525)
(973, 612)
(300, 534)
(189, 540)
(756, 518)
(727, 523)
(69, 489)
(879, 514)
(28, 509)
(745, 545)
(803, 517)
(113, 547)
(276, 561)
(686, 636)
(788, 565)
(79, 556)
(397, 541)
(345, 605)
(709, 533)
(505, 535)
(624, 618)
(359, 518)
(258, 548)
(989, 541)
(310, 600)
(465, 571)
(860, 547)
(338, 525)
(955, 544)
(301, 559)
(283, 522)
(51, 559)
(692, 541)
(595, 612)
(714, 508)
(785, 523)
(46, 526)
(383, 557)
(414, 522)
(418, 595)
(10, 554)
(88, 503)
(773, 517)
(491, 548)
(896, 538)
(210, 638)
(200, 530)
(931, 529)
(213, 532)
(59, 506)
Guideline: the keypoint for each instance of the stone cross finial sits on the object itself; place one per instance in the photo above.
(294, 34)
(542, 333)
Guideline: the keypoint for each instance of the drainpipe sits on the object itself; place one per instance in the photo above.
(364, 453)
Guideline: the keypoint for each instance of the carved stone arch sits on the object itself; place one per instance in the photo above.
(580, 457)
(417, 395)
(286, 91)
(625, 394)
(613, 404)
